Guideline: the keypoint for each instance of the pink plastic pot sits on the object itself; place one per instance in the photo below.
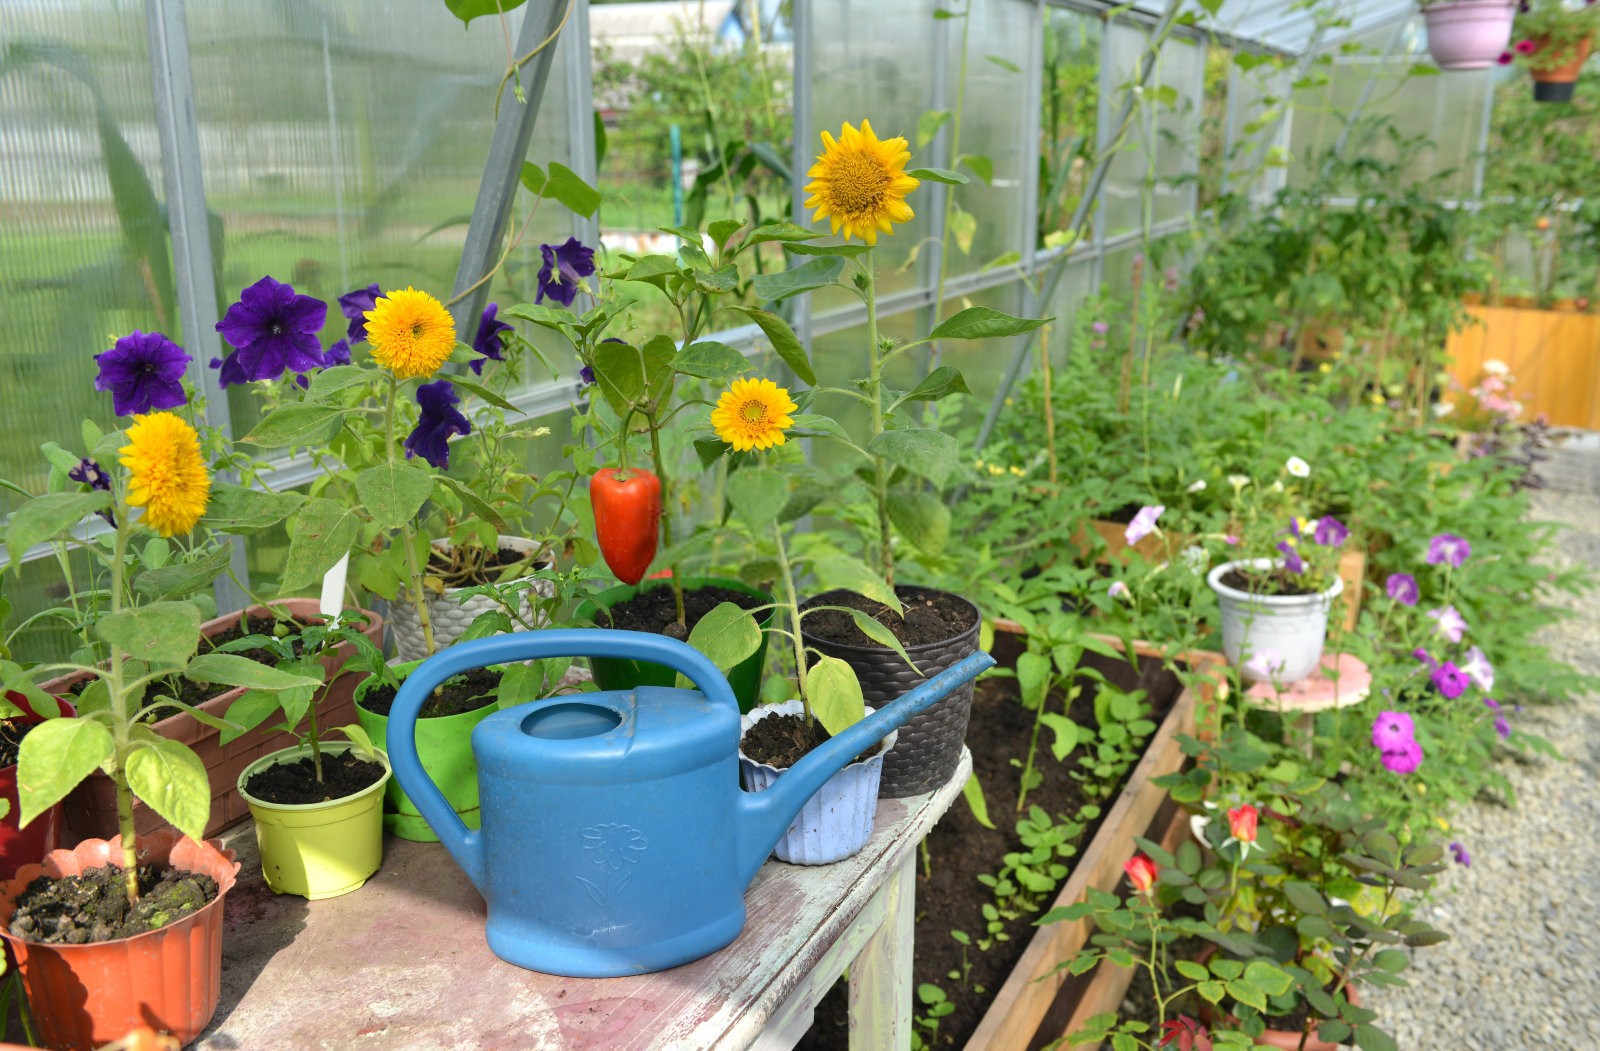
(1469, 34)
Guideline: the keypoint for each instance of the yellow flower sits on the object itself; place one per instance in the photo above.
(753, 414)
(166, 475)
(411, 333)
(859, 183)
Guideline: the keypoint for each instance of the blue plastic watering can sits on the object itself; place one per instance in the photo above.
(616, 839)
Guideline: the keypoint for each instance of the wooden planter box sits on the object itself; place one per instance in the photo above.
(1554, 355)
(1038, 999)
(1167, 546)
(91, 808)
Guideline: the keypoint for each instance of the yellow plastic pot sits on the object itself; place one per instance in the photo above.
(318, 850)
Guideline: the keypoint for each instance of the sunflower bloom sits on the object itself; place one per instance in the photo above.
(859, 183)
(753, 414)
(166, 475)
(411, 333)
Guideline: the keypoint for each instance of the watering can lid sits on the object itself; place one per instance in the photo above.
(617, 735)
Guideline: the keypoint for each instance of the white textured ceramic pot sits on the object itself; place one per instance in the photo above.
(449, 613)
(834, 823)
(1271, 638)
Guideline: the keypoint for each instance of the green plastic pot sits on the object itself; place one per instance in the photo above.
(612, 673)
(317, 850)
(444, 744)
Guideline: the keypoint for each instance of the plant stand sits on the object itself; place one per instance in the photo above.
(1339, 682)
(419, 921)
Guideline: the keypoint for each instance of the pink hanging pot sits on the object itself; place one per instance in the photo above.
(1468, 34)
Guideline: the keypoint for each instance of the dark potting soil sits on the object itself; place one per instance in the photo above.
(93, 906)
(197, 693)
(1267, 582)
(929, 617)
(466, 692)
(951, 898)
(295, 784)
(441, 564)
(11, 735)
(780, 741)
(654, 610)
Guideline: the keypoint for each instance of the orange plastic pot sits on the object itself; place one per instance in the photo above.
(170, 979)
(1555, 84)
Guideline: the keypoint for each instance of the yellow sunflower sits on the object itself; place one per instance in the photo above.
(859, 183)
(753, 414)
(166, 475)
(411, 333)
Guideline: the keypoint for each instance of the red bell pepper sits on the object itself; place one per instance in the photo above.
(627, 519)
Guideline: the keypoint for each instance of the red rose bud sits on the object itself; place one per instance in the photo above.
(1141, 873)
(1242, 823)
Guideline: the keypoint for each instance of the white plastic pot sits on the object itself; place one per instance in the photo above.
(1272, 638)
(449, 613)
(837, 821)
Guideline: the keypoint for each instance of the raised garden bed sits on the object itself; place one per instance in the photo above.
(1012, 1005)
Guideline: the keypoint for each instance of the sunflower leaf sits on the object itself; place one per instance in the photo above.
(944, 175)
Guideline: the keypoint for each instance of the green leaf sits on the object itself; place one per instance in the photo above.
(1212, 991)
(929, 453)
(784, 342)
(835, 694)
(1033, 678)
(482, 393)
(249, 710)
(1304, 897)
(980, 164)
(532, 175)
(467, 10)
(940, 383)
(1065, 733)
(1188, 858)
(1192, 971)
(230, 669)
(184, 578)
(171, 779)
(1246, 993)
(55, 756)
(880, 634)
(630, 376)
(1265, 976)
(1392, 960)
(921, 518)
(1371, 1038)
(565, 186)
(972, 792)
(393, 493)
(292, 426)
(984, 323)
(844, 571)
(964, 227)
(240, 509)
(710, 360)
(817, 273)
(928, 125)
(721, 230)
(47, 516)
(361, 745)
(321, 534)
(162, 633)
(1004, 63)
(329, 382)
(758, 494)
(726, 635)
(849, 251)
(944, 175)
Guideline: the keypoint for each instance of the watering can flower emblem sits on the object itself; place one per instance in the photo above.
(613, 847)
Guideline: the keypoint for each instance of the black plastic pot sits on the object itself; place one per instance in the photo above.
(929, 746)
(1553, 90)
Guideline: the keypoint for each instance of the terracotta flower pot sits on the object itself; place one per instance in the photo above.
(91, 808)
(1556, 83)
(83, 996)
(22, 846)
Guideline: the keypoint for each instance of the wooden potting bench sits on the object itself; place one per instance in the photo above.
(402, 962)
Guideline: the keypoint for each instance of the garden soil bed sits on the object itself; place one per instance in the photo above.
(960, 849)
(655, 611)
(466, 692)
(929, 617)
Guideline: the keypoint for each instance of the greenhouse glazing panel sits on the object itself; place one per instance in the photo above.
(1068, 115)
(1162, 142)
(84, 251)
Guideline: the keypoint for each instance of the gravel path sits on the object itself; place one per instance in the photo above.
(1522, 968)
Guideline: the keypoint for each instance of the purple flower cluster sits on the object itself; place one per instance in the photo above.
(1394, 736)
(490, 338)
(1402, 587)
(273, 329)
(1460, 854)
(1447, 549)
(90, 473)
(430, 439)
(144, 373)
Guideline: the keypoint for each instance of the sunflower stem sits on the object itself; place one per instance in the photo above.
(791, 606)
(875, 393)
(413, 570)
(120, 724)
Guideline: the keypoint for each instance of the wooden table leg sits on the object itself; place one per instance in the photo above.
(880, 977)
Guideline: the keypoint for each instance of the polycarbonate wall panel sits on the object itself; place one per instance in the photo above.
(1258, 129)
(77, 262)
(1068, 115)
(1162, 141)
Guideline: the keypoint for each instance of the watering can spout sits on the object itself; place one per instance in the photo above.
(764, 816)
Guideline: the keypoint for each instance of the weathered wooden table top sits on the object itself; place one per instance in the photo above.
(402, 962)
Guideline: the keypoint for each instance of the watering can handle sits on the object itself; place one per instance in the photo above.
(466, 845)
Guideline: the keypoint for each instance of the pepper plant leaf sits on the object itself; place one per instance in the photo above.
(835, 694)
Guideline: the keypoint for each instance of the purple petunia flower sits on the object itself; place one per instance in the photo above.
(1448, 549)
(1460, 854)
(1502, 727)
(1403, 759)
(1119, 589)
(90, 473)
(338, 354)
(1100, 327)
(586, 375)
(1402, 587)
(1451, 624)
(489, 342)
(1291, 558)
(1526, 47)
(1491, 704)
(1478, 669)
(565, 265)
(1449, 680)
(143, 372)
(274, 330)
(440, 419)
(1392, 729)
(1425, 657)
(1330, 532)
(1143, 524)
(1505, 58)
(354, 305)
